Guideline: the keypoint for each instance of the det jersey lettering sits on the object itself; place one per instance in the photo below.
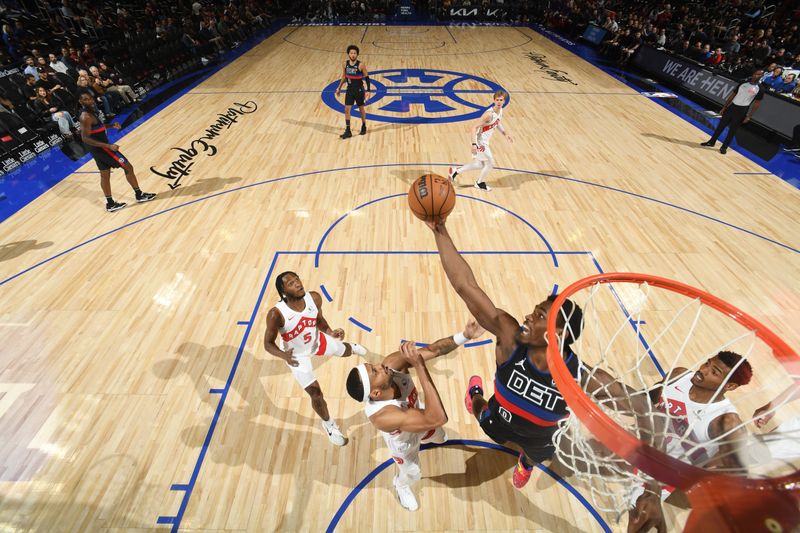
(533, 391)
(304, 323)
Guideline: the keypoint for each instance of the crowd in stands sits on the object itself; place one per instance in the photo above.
(51, 51)
(730, 36)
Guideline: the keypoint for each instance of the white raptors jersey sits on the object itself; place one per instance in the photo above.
(408, 398)
(685, 415)
(299, 330)
(487, 130)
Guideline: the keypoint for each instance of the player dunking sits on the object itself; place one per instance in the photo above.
(480, 133)
(107, 156)
(393, 407)
(354, 75)
(526, 406)
(306, 333)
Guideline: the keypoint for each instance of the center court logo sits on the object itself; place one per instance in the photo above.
(421, 96)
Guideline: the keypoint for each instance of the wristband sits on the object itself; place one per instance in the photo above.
(460, 339)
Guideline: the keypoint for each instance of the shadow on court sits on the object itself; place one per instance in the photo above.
(13, 250)
(198, 188)
(671, 140)
(484, 470)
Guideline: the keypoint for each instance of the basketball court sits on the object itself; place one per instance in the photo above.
(135, 391)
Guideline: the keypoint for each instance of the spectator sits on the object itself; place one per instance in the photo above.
(761, 52)
(789, 84)
(6, 105)
(87, 55)
(57, 65)
(30, 67)
(775, 79)
(30, 82)
(716, 57)
(732, 45)
(661, 39)
(83, 83)
(630, 48)
(51, 85)
(124, 92)
(48, 106)
(10, 41)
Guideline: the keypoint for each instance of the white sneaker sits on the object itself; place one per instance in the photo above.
(407, 498)
(482, 186)
(451, 173)
(334, 433)
(357, 349)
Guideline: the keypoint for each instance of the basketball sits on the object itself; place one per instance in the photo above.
(431, 197)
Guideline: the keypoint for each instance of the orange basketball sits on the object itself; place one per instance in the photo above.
(431, 197)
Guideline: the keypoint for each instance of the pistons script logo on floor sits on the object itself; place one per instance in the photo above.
(420, 96)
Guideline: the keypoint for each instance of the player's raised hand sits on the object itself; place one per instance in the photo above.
(437, 226)
(410, 353)
(338, 333)
(473, 330)
(762, 416)
(646, 515)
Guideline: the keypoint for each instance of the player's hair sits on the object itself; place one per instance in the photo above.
(743, 373)
(279, 283)
(500, 93)
(570, 317)
(355, 388)
(353, 47)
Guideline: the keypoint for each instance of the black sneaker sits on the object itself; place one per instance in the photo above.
(115, 206)
(707, 143)
(482, 186)
(363, 129)
(346, 135)
(723, 150)
(145, 197)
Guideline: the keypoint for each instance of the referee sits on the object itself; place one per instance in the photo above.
(738, 109)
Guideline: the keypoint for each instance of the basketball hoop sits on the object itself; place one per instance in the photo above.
(662, 321)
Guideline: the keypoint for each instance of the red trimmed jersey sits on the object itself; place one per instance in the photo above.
(299, 330)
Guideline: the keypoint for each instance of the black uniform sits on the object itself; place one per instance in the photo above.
(526, 405)
(355, 83)
(104, 157)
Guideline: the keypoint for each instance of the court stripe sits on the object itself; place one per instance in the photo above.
(533, 173)
(325, 293)
(463, 442)
(359, 324)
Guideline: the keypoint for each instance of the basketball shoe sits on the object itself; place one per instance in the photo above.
(475, 386)
(334, 433)
(452, 173)
(406, 496)
(522, 474)
(482, 186)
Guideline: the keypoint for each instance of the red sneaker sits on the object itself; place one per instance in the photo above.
(521, 474)
(474, 381)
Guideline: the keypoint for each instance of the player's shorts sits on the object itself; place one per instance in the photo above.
(304, 371)
(406, 454)
(354, 95)
(485, 154)
(537, 445)
(107, 159)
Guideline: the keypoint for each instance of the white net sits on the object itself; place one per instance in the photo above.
(639, 335)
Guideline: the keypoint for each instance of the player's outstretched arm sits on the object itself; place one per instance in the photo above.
(472, 330)
(765, 413)
(462, 279)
